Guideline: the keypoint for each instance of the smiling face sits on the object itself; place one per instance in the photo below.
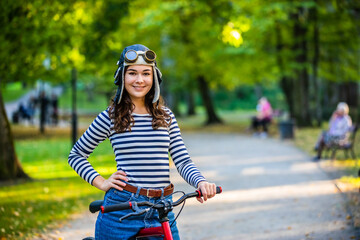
(138, 81)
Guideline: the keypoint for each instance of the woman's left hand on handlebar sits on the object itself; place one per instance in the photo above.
(207, 189)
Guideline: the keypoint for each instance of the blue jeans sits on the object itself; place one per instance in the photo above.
(109, 227)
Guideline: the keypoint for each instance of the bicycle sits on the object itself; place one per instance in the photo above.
(162, 206)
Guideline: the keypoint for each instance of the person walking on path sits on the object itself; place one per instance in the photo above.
(142, 132)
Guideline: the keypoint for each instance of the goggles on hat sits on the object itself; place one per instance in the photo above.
(131, 56)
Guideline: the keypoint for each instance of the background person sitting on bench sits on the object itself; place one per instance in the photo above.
(263, 117)
(338, 132)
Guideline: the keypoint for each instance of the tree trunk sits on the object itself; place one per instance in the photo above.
(286, 83)
(74, 116)
(301, 93)
(191, 104)
(317, 91)
(207, 101)
(356, 14)
(176, 104)
(287, 86)
(10, 167)
(348, 92)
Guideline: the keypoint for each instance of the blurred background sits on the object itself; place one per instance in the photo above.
(57, 60)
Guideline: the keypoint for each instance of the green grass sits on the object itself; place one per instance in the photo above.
(233, 121)
(55, 192)
(98, 104)
(13, 91)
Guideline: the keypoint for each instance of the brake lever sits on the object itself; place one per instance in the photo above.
(137, 211)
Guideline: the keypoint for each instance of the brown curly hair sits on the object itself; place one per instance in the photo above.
(121, 113)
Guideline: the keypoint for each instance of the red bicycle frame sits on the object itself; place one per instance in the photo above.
(157, 231)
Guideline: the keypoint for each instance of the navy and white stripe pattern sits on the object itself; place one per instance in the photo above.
(142, 153)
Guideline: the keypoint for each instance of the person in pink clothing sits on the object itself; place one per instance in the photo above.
(263, 117)
(338, 132)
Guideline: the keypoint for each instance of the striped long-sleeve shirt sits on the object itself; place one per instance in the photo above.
(143, 152)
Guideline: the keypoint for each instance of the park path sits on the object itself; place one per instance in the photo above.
(271, 191)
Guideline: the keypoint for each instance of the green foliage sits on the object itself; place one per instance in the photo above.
(231, 43)
(339, 39)
(31, 33)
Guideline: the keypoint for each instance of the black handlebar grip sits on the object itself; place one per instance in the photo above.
(116, 207)
(95, 206)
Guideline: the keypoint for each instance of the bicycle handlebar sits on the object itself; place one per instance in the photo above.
(197, 193)
(98, 205)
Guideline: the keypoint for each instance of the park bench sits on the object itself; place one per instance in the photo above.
(349, 146)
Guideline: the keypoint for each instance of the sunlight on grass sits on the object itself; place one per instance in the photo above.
(30, 207)
(345, 163)
(55, 192)
(355, 181)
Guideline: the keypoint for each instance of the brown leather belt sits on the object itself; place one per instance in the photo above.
(148, 192)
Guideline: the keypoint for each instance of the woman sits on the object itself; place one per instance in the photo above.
(142, 132)
(338, 132)
(263, 117)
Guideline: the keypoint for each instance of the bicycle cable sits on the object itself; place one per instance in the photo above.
(180, 208)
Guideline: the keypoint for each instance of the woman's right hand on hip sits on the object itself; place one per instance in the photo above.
(114, 181)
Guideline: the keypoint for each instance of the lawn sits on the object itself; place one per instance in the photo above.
(13, 91)
(56, 191)
(98, 103)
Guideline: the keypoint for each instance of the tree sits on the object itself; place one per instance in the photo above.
(10, 167)
(313, 61)
(18, 58)
(31, 33)
(185, 35)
